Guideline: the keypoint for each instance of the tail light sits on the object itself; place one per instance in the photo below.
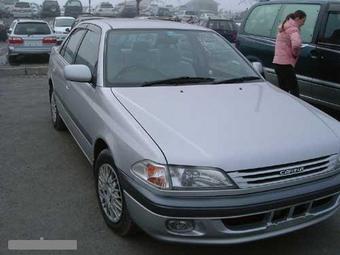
(15, 40)
(49, 40)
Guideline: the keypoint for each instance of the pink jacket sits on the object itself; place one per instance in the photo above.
(288, 44)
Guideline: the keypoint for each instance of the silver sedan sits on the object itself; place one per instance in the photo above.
(186, 138)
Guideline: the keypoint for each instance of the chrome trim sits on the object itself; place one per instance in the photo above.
(309, 79)
(270, 176)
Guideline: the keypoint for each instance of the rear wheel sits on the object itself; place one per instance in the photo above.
(57, 122)
(111, 197)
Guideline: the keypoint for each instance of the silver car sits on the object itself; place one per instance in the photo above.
(23, 10)
(186, 138)
(29, 37)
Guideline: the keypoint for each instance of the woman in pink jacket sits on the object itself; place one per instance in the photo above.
(287, 50)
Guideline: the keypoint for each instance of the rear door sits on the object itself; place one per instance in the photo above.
(327, 88)
(60, 58)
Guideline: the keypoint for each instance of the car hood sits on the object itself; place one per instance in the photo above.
(232, 126)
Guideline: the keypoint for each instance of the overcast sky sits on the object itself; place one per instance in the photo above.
(234, 5)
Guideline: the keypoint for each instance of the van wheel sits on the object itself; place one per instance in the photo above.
(111, 197)
(57, 122)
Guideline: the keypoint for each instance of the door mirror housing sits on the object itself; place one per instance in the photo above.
(77, 73)
(67, 30)
(258, 67)
(9, 30)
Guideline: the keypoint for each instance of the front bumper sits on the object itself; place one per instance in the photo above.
(234, 219)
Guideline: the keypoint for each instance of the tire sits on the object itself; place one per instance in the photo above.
(57, 121)
(115, 213)
(12, 60)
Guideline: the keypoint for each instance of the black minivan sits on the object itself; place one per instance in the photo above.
(225, 27)
(50, 8)
(318, 69)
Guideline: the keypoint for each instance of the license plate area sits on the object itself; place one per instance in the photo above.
(32, 43)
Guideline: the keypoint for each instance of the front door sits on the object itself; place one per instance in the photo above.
(327, 88)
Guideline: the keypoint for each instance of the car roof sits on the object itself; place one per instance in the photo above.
(64, 17)
(31, 20)
(299, 2)
(146, 24)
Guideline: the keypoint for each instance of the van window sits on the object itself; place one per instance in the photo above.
(262, 19)
(307, 30)
(332, 32)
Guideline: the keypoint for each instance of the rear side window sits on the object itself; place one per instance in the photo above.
(262, 19)
(69, 51)
(307, 30)
(106, 5)
(32, 28)
(332, 32)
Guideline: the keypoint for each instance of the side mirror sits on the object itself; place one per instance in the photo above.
(9, 30)
(67, 30)
(258, 67)
(77, 73)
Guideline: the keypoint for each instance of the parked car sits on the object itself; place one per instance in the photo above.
(61, 27)
(73, 8)
(9, 4)
(35, 9)
(29, 37)
(187, 140)
(104, 9)
(50, 8)
(128, 11)
(22, 10)
(4, 12)
(319, 63)
(225, 27)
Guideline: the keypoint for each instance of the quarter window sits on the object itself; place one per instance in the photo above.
(262, 19)
(72, 45)
(307, 30)
(88, 50)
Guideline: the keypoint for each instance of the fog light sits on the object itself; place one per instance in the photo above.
(180, 226)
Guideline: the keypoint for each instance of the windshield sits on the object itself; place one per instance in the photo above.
(64, 22)
(32, 28)
(73, 3)
(22, 5)
(106, 5)
(136, 57)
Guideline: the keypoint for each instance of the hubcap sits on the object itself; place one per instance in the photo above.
(53, 108)
(109, 191)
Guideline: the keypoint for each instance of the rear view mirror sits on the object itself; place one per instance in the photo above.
(258, 67)
(77, 73)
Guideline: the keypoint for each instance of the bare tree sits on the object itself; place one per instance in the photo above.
(138, 6)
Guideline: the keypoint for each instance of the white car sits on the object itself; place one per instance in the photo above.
(104, 9)
(22, 10)
(62, 26)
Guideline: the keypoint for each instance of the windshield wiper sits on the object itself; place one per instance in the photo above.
(238, 80)
(178, 81)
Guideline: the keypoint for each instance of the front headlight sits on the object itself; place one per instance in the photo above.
(182, 177)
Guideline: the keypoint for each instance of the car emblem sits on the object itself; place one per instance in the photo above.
(292, 171)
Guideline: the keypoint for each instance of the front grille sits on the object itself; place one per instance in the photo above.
(258, 177)
(264, 220)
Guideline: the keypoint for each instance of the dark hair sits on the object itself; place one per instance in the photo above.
(298, 14)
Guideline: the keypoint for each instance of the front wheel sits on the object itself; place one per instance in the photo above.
(110, 196)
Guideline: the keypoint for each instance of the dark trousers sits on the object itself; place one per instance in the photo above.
(287, 79)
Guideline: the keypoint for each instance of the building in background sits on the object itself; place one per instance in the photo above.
(199, 5)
